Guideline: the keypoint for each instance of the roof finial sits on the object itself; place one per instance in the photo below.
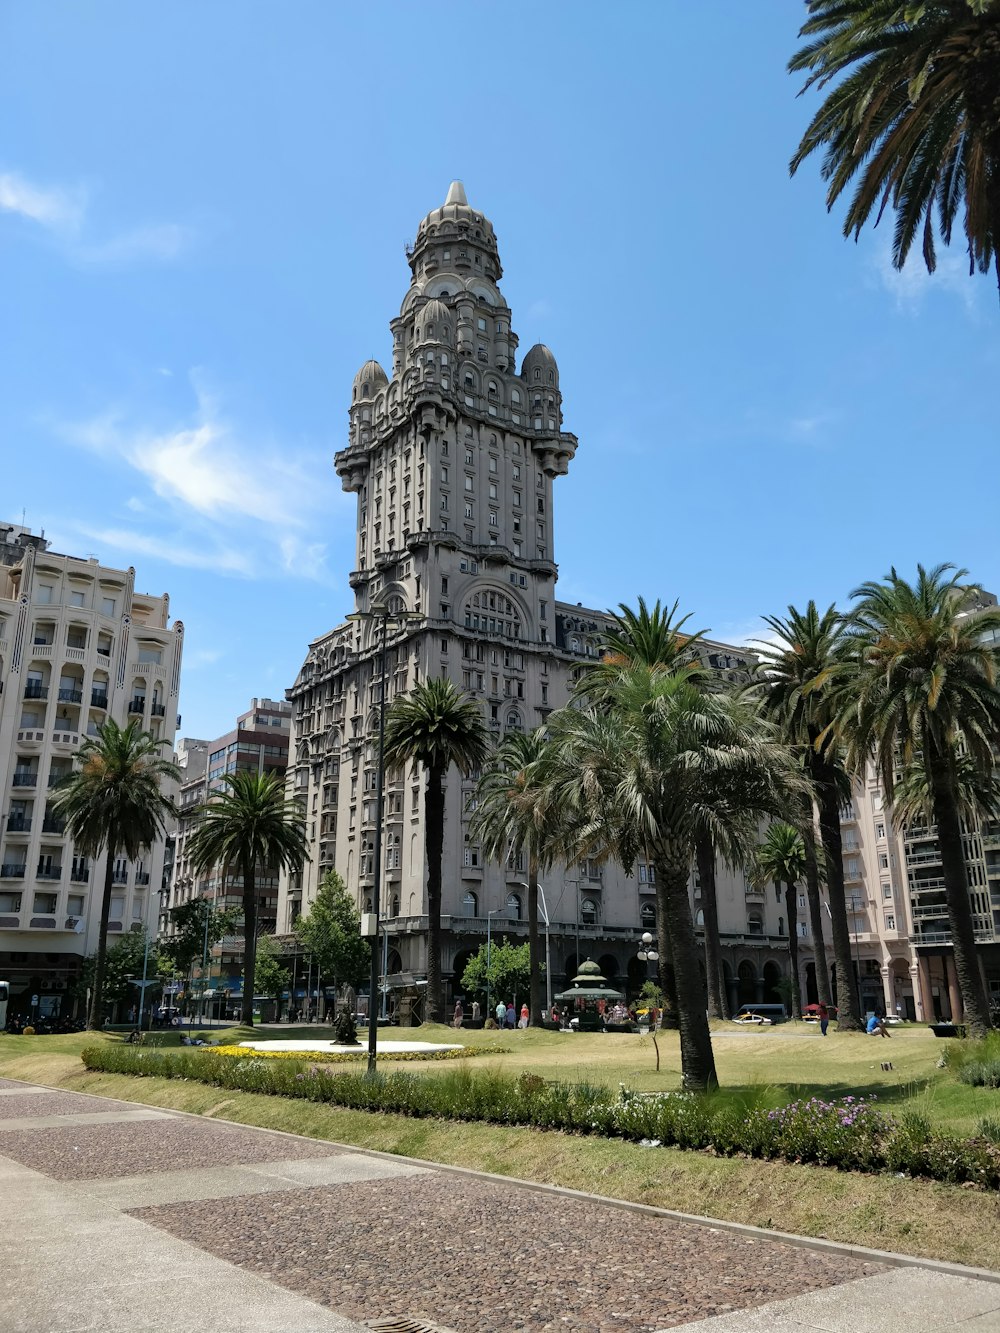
(456, 194)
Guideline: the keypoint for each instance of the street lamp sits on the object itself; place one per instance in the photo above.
(382, 612)
(489, 947)
(548, 967)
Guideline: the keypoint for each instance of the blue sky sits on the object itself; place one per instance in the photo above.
(202, 217)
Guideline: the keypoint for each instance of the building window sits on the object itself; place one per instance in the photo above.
(514, 907)
(890, 921)
(588, 912)
(470, 905)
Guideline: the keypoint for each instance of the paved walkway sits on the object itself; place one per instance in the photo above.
(121, 1217)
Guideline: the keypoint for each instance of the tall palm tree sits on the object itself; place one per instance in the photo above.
(915, 117)
(512, 817)
(114, 800)
(781, 859)
(633, 776)
(797, 678)
(251, 825)
(435, 725)
(927, 657)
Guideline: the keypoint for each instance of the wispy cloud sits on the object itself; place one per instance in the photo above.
(201, 657)
(64, 213)
(59, 209)
(220, 497)
(912, 284)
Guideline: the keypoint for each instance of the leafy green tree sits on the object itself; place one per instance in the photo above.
(250, 825)
(122, 968)
(512, 818)
(781, 859)
(114, 801)
(508, 973)
(186, 948)
(436, 726)
(269, 977)
(634, 776)
(927, 658)
(799, 674)
(915, 119)
(331, 932)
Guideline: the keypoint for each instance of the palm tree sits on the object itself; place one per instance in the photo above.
(512, 818)
(435, 725)
(927, 656)
(251, 825)
(916, 117)
(796, 680)
(114, 800)
(781, 859)
(633, 776)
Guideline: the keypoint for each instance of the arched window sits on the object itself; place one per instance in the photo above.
(755, 924)
(781, 925)
(551, 378)
(514, 907)
(514, 721)
(515, 396)
(588, 912)
(647, 916)
(699, 917)
(538, 373)
(470, 904)
(395, 905)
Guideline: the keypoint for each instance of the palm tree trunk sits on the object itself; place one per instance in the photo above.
(848, 1018)
(666, 976)
(249, 941)
(534, 951)
(434, 812)
(792, 911)
(940, 776)
(95, 1018)
(820, 964)
(705, 857)
(697, 1058)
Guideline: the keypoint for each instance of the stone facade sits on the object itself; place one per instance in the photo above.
(78, 645)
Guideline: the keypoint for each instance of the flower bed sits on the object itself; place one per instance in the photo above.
(850, 1133)
(352, 1057)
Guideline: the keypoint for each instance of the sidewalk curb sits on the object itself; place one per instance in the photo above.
(888, 1258)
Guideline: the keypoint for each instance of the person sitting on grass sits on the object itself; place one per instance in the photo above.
(876, 1023)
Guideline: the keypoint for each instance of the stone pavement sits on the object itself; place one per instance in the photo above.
(127, 1217)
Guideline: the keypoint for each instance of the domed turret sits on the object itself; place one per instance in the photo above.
(433, 319)
(369, 379)
(456, 238)
(539, 366)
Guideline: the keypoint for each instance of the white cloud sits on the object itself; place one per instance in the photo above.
(64, 214)
(178, 549)
(135, 504)
(304, 558)
(910, 285)
(201, 657)
(58, 209)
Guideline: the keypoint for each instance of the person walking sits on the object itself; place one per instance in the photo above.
(501, 1013)
(523, 1021)
(824, 1018)
(458, 1015)
(475, 1011)
(510, 1016)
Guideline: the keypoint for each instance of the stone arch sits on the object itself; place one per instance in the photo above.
(746, 975)
(771, 977)
(609, 966)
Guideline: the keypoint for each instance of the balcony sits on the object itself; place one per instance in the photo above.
(80, 874)
(50, 824)
(33, 690)
(50, 872)
(70, 696)
(12, 871)
(98, 699)
(119, 877)
(57, 777)
(138, 704)
(142, 878)
(25, 778)
(158, 710)
(18, 824)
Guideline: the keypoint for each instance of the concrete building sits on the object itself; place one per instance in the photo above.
(78, 645)
(453, 459)
(258, 743)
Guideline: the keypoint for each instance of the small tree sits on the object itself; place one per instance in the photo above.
(269, 977)
(187, 946)
(508, 973)
(122, 965)
(331, 932)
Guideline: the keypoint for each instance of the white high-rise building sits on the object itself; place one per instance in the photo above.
(78, 645)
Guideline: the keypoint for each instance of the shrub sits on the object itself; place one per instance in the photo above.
(849, 1133)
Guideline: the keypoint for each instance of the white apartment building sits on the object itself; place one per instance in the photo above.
(78, 645)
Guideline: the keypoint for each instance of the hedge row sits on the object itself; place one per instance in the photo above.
(352, 1057)
(850, 1134)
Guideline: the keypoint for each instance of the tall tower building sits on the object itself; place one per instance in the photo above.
(452, 457)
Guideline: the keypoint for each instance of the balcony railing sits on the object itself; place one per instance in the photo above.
(18, 824)
(70, 696)
(137, 705)
(35, 691)
(25, 779)
(142, 877)
(98, 699)
(12, 871)
(158, 710)
(57, 777)
(49, 872)
(119, 877)
(52, 825)
(80, 874)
